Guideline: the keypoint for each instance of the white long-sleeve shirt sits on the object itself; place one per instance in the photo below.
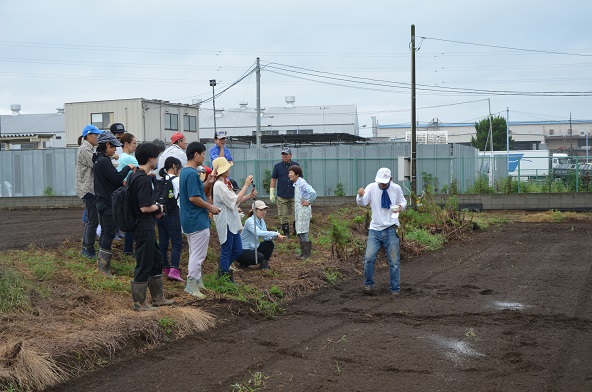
(382, 217)
(228, 217)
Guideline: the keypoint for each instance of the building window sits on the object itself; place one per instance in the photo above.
(101, 120)
(171, 121)
(299, 132)
(190, 123)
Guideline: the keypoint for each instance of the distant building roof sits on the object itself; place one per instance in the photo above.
(472, 124)
(25, 124)
(329, 118)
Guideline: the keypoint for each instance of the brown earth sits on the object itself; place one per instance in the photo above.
(508, 310)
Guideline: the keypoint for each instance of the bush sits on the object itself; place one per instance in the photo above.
(339, 191)
(425, 238)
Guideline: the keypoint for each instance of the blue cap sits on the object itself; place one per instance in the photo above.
(91, 129)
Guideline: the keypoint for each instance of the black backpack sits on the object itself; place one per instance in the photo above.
(123, 214)
(164, 194)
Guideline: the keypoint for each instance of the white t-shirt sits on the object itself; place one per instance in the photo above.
(229, 217)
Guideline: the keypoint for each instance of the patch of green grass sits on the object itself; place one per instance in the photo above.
(324, 239)
(425, 238)
(558, 216)
(13, 290)
(124, 267)
(276, 292)
(43, 267)
(332, 276)
(167, 323)
(256, 381)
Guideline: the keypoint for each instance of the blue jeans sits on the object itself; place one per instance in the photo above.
(169, 229)
(389, 239)
(230, 250)
(128, 243)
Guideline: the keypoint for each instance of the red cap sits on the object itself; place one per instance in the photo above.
(176, 137)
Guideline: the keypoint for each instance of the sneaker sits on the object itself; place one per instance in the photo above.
(166, 271)
(368, 290)
(395, 293)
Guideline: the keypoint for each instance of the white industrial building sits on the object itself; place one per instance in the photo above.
(289, 119)
(571, 137)
(31, 131)
(146, 119)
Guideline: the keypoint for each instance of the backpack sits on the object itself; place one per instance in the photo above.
(123, 214)
(164, 194)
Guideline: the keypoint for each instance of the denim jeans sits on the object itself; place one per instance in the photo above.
(230, 250)
(89, 234)
(389, 239)
(108, 228)
(169, 229)
(128, 243)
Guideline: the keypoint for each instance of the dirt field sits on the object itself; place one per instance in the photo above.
(510, 310)
(19, 228)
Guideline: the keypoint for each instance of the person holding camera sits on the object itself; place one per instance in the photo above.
(228, 222)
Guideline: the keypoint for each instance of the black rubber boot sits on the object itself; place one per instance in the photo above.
(286, 229)
(155, 284)
(306, 248)
(104, 263)
(139, 296)
(264, 265)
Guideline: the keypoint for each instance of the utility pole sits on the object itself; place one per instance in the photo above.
(570, 136)
(508, 138)
(413, 116)
(258, 83)
(491, 161)
(213, 84)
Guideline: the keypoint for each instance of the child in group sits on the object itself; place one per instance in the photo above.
(169, 226)
(228, 223)
(304, 195)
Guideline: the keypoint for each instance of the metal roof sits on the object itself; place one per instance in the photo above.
(317, 138)
(281, 117)
(36, 124)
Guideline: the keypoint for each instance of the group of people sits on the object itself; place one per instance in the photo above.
(196, 195)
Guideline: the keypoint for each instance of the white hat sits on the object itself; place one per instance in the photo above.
(383, 175)
(260, 205)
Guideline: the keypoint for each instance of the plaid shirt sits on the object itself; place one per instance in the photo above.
(85, 182)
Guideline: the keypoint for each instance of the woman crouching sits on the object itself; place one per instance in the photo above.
(255, 229)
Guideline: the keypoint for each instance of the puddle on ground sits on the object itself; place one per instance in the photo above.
(510, 305)
(457, 350)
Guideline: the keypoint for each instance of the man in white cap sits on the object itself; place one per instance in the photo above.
(219, 150)
(386, 201)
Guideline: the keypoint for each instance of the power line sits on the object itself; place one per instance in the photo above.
(509, 47)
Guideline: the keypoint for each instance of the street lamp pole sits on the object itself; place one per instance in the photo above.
(323, 109)
(213, 84)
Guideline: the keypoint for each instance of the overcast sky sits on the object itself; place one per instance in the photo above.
(322, 52)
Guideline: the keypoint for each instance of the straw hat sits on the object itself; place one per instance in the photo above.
(221, 165)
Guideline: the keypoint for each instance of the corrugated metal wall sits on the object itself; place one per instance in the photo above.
(30, 172)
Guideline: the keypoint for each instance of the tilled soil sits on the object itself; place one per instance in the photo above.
(43, 227)
(510, 310)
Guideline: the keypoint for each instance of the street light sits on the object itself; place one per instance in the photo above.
(323, 109)
(213, 84)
